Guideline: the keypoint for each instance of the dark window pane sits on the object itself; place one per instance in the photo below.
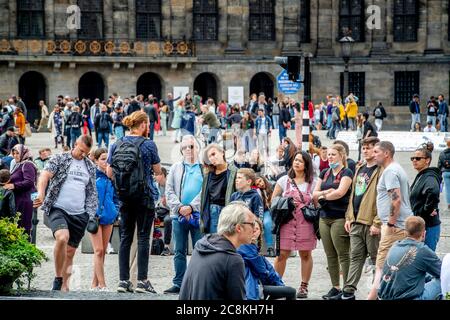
(405, 20)
(148, 19)
(91, 19)
(205, 19)
(30, 18)
(352, 19)
(406, 84)
(262, 20)
(356, 85)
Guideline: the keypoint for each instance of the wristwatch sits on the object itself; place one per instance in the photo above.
(390, 225)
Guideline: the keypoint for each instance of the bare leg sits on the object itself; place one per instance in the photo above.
(306, 264)
(59, 251)
(280, 262)
(67, 270)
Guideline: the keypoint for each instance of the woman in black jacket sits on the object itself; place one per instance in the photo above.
(424, 196)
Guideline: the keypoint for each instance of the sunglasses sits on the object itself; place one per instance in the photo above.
(417, 158)
(253, 224)
(187, 147)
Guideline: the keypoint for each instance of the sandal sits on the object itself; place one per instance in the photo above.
(302, 292)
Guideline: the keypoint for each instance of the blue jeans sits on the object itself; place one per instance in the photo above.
(415, 117)
(152, 129)
(432, 235)
(119, 132)
(432, 290)
(432, 119)
(443, 122)
(329, 121)
(74, 134)
(180, 237)
(214, 213)
(103, 136)
(282, 132)
(446, 176)
(275, 122)
(267, 223)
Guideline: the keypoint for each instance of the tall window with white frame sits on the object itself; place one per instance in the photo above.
(30, 18)
(305, 21)
(406, 20)
(351, 19)
(148, 19)
(91, 19)
(262, 20)
(406, 85)
(206, 20)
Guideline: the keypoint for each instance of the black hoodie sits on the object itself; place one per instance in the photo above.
(424, 195)
(215, 272)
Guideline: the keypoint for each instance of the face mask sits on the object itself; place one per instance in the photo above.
(334, 165)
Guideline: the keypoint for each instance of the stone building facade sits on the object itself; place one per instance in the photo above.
(151, 46)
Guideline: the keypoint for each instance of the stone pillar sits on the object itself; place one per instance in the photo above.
(188, 19)
(379, 36)
(132, 19)
(12, 18)
(235, 26)
(49, 19)
(325, 37)
(389, 14)
(4, 16)
(166, 24)
(120, 16)
(108, 23)
(62, 15)
(179, 13)
(291, 27)
(434, 26)
(222, 23)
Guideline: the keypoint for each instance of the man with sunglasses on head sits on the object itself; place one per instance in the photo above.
(70, 201)
(183, 191)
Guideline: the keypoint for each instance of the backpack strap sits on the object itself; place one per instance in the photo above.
(327, 174)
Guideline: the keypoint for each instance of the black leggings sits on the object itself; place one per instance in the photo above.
(279, 292)
(167, 229)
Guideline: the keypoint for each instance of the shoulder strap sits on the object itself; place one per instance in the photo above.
(296, 187)
(327, 174)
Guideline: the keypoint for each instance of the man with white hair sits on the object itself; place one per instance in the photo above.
(183, 193)
(216, 271)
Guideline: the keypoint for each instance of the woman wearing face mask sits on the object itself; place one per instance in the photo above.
(259, 272)
(425, 191)
(333, 191)
(218, 186)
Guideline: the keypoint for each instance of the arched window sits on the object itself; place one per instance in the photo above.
(148, 19)
(262, 20)
(406, 20)
(305, 21)
(351, 19)
(91, 19)
(205, 14)
(30, 18)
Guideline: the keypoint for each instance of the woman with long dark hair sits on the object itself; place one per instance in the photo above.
(298, 234)
(266, 194)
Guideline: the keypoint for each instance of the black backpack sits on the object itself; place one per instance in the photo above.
(103, 123)
(128, 171)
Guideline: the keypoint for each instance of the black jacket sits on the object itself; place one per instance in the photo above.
(4, 144)
(150, 110)
(134, 106)
(444, 158)
(424, 195)
(215, 272)
(97, 121)
(7, 203)
(75, 120)
(285, 116)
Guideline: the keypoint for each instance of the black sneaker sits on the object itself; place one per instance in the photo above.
(332, 294)
(144, 287)
(125, 286)
(166, 251)
(348, 296)
(270, 253)
(57, 284)
(172, 290)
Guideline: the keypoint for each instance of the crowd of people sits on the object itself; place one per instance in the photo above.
(367, 211)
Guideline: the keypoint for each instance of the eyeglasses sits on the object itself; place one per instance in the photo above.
(187, 147)
(253, 224)
(417, 158)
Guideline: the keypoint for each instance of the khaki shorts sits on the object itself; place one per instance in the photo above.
(386, 242)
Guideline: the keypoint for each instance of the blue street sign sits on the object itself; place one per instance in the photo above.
(287, 86)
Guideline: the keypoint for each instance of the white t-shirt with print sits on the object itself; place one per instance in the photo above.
(72, 196)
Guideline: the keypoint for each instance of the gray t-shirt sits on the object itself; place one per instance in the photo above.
(72, 196)
(393, 177)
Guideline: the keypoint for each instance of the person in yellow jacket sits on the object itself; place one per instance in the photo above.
(20, 124)
(352, 110)
(341, 114)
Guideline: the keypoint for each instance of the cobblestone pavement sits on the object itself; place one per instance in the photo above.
(161, 268)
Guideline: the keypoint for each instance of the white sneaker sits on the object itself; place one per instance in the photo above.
(110, 249)
(104, 289)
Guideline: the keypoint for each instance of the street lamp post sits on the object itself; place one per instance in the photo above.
(346, 51)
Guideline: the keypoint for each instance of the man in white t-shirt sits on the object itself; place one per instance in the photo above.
(70, 201)
(429, 127)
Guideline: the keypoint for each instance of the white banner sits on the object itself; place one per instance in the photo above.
(402, 141)
(236, 95)
(180, 92)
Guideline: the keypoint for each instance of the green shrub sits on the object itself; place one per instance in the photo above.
(17, 255)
